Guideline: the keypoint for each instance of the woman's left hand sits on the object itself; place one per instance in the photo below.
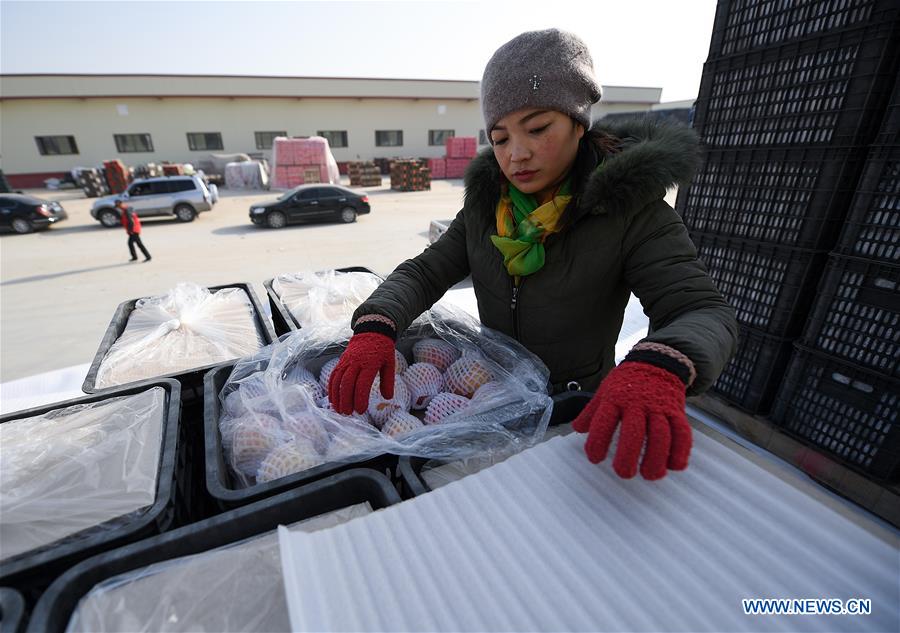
(649, 403)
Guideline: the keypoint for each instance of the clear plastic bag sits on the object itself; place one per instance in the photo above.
(238, 587)
(276, 419)
(186, 328)
(325, 300)
(87, 466)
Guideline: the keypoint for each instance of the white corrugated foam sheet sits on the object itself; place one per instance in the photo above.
(547, 541)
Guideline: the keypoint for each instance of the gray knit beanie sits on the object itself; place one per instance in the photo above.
(540, 69)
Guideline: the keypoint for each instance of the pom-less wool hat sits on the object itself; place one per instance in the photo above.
(540, 69)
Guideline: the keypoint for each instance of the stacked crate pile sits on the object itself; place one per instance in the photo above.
(460, 150)
(364, 174)
(410, 175)
(172, 169)
(92, 182)
(117, 175)
(298, 161)
(842, 390)
(791, 97)
(150, 170)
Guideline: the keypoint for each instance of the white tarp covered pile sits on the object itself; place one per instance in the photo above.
(246, 175)
(188, 327)
(233, 588)
(324, 300)
(75, 468)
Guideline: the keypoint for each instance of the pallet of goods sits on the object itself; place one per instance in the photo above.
(364, 174)
(410, 175)
(298, 161)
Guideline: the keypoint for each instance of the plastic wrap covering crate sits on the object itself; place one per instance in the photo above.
(297, 161)
(419, 475)
(742, 25)
(750, 380)
(460, 391)
(856, 315)
(438, 167)
(12, 611)
(85, 475)
(828, 90)
(461, 146)
(795, 197)
(179, 335)
(193, 578)
(844, 410)
(246, 175)
(326, 298)
(872, 228)
(91, 181)
(770, 287)
(364, 174)
(410, 175)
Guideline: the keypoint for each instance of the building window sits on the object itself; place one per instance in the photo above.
(133, 143)
(56, 145)
(199, 141)
(388, 138)
(482, 138)
(335, 138)
(439, 137)
(264, 140)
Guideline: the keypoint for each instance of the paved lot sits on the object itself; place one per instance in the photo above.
(60, 287)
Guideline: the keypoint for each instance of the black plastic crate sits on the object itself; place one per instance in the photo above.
(221, 485)
(794, 197)
(12, 611)
(751, 379)
(769, 287)
(30, 573)
(282, 318)
(191, 380)
(57, 605)
(742, 25)
(829, 90)
(849, 412)
(566, 407)
(872, 227)
(889, 134)
(856, 315)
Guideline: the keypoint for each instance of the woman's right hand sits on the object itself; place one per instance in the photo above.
(368, 354)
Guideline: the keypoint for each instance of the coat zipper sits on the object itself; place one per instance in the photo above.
(513, 305)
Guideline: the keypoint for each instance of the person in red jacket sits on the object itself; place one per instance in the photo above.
(132, 224)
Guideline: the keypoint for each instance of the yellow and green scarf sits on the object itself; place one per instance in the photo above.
(523, 225)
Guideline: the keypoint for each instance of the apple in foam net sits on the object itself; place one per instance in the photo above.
(380, 408)
(435, 351)
(425, 381)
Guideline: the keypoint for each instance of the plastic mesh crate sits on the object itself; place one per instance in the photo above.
(752, 377)
(872, 228)
(795, 197)
(844, 410)
(856, 315)
(828, 90)
(770, 287)
(741, 25)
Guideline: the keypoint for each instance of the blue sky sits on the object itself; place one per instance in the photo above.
(654, 43)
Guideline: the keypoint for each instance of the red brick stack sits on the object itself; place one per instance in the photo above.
(117, 175)
(460, 150)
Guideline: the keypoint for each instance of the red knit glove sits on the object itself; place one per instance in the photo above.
(649, 401)
(367, 355)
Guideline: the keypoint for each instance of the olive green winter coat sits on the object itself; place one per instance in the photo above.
(620, 237)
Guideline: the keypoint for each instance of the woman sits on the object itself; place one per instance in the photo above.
(560, 223)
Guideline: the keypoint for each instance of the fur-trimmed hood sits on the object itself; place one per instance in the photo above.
(653, 157)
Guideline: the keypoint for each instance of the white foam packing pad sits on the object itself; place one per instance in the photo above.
(546, 541)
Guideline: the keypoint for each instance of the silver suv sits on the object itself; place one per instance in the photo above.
(181, 196)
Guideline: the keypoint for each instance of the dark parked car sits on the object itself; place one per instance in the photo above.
(310, 203)
(24, 214)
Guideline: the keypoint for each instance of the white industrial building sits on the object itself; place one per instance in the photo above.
(52, 123)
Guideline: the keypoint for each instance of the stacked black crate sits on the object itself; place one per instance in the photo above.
(842, 391)
(789, 99)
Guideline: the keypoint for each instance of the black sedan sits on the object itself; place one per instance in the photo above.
(310, 203)
(24, 213)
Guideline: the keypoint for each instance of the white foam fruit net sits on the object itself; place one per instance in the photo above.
(461, 390)
(188, 327)
(238, 587)
(76, 469)
(324, 300)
